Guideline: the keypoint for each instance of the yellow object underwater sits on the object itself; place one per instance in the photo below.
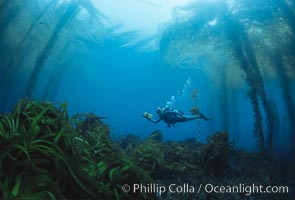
(147, 115)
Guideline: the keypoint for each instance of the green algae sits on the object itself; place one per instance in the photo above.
(45, 154)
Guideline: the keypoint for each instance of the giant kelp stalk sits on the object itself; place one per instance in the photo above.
(224, 99)
(235, 114)
(286, 91)
(6, 86)
(55, 75)
(10, 67)
(195, 111)
(289, 16)
(9, 10)
(248, 63)
(287, 12)
(62, 24)
(16, 59)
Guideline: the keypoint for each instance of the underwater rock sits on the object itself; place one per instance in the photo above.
(128, 142)
(156, 135)
(87, 122)
(149, 156)
(165, 160)
(215, 154)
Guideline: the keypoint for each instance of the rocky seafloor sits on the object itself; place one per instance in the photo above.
(45, 154)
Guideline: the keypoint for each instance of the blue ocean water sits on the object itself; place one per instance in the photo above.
(75, 52)
(129, 83)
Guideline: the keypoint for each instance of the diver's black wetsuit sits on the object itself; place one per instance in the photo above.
(172, 116)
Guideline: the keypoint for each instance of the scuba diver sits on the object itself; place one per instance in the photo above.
(172, 116)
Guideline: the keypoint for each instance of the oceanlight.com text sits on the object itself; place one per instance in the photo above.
(245, 189)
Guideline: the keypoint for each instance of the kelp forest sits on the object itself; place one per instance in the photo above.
(48, 150)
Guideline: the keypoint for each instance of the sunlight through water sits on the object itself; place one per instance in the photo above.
(143, 17)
